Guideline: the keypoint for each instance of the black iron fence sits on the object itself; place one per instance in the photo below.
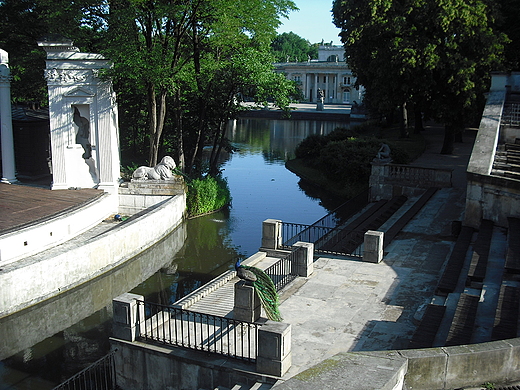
(100, 375)
(511, 115)
(284, 270)
(326, 240)
(199, 331)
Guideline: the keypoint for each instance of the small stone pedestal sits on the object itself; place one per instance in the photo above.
(320, 106)
(373, 246)
(274, 348)
(127, 316)
(271, 234)
(247, 304)
(305, 259)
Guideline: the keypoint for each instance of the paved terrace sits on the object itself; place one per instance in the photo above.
(350, 305)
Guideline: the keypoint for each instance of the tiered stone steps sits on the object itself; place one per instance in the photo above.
(256, 386)
(478, 296)
(371, 219)
(507, 161)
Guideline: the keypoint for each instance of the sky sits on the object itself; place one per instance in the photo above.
(312, 22)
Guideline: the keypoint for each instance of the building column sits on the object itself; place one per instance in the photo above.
(8, 161)
(316, 81)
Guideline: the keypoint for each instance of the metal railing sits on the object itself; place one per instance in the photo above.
(100, 375)
(283, 271)
(199, 331)
(511, 115)
(327, 240)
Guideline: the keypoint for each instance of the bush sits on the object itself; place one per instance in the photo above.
(348, 161)
(310, 147)
(206, 195)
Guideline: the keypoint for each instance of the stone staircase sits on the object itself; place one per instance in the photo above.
(507, 160)
(256, 386)
(478, 295)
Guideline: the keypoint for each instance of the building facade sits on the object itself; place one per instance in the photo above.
(329, 73)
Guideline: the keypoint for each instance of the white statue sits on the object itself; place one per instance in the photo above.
(161, 171)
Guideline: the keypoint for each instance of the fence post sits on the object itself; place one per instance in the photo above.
(274, 348)
(127, 316)
(373, 246)
(304, 259)
(247, 305)
(271, 234)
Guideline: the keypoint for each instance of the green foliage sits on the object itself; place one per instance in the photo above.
(206, 195)
(24, 22)
(434, 55)
(288, 47)
(310, 147)
(344, 156)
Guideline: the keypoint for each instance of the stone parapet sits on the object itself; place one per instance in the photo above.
(274, 348)
(390, 180)
(173, 186)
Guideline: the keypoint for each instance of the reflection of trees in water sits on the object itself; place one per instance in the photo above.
(57, 358)
(207, 252)
(327, 200)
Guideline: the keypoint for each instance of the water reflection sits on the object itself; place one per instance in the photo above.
(206, 253)
(49, 342)
(276, 140)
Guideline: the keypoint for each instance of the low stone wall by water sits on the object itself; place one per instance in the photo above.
(47, 274)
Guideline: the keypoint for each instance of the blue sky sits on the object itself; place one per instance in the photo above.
(313, 21)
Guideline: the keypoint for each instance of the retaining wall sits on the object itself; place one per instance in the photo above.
(35, 278)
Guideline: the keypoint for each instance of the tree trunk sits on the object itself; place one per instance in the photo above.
(418, 120)
(157, 114)
(449, 137)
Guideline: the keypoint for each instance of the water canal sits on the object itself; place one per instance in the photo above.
(48, 343)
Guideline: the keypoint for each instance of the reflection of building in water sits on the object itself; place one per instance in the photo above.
(329, 73)
(277, 139)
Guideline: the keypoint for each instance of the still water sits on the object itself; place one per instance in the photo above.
(42, 346)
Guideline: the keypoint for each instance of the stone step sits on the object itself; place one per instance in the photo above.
(513, 246)
(479, 259)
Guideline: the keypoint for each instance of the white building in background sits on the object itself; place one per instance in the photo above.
(329, 72)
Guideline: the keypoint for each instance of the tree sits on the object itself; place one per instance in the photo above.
(424, 52)
(24, 22)
(173, 50)
(291, 47)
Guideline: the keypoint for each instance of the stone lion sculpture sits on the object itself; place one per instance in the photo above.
(161, 171)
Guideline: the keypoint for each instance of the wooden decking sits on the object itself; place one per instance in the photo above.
(22, 205)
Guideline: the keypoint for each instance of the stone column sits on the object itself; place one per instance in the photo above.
(305, 259)
(127, 316)
(274, 348)
(271, 234)
(8, 162)
(247, 304)
(373, 246)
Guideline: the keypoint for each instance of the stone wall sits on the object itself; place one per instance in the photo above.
(390, 180)
(42, 276)
(491, 197)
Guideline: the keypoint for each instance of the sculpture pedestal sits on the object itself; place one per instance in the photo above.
(173, 186)
(139, 195)
(320, 106)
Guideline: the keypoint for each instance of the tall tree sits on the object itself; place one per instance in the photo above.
(166, 47)
(291, 47)
(24, 22)
(421, 52)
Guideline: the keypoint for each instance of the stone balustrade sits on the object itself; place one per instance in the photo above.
(390, 180)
